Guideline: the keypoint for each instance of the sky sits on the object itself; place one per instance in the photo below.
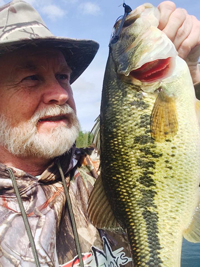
(91, 19)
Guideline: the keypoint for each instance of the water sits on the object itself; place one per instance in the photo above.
(190, 254)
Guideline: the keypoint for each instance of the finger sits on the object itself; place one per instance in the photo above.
(176, 20)
(191, 42)
(166, 8)
(183, 32)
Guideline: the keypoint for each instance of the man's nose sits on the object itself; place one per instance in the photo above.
(56, 94)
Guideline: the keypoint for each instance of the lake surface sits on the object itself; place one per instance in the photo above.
(190, 254)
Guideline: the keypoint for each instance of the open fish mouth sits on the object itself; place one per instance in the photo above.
(154, 70)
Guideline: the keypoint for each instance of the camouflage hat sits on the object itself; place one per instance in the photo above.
(21, 25)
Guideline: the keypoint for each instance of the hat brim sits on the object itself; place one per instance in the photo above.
(78, 53)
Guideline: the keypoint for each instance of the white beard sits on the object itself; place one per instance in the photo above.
(24, 139)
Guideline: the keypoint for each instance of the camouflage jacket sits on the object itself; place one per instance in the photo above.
(45, 204)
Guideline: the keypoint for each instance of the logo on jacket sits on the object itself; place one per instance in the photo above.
(101, 258)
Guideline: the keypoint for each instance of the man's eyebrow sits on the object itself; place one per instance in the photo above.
(33, 67)
(65, 68)
(27, 66)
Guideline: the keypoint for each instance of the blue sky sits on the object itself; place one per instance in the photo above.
(90, 19)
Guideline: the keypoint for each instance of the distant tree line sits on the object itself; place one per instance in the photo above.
(84, 139)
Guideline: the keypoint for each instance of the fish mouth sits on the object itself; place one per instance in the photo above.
(153, 70)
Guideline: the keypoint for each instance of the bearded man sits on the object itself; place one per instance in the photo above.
(38, 130)
(39, 224)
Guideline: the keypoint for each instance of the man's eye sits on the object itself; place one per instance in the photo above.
(30, 81)
(62, 76)
(31, 78)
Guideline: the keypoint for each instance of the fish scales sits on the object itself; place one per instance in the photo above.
(141, 176)
(150, 146)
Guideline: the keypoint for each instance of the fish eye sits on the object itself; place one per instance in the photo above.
(125, 23)
(129, 21)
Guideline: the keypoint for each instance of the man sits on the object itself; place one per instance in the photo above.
(38, 125)
(38, 129)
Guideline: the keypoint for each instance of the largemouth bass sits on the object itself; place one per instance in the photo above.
(150, 144)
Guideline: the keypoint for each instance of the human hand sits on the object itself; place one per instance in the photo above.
(184, 31)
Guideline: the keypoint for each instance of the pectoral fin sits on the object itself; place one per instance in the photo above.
(164, 124)
(192, 234)
(99, 210)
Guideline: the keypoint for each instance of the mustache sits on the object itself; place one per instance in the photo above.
(52, 111)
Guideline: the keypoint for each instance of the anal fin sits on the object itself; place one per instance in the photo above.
(192, 233)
